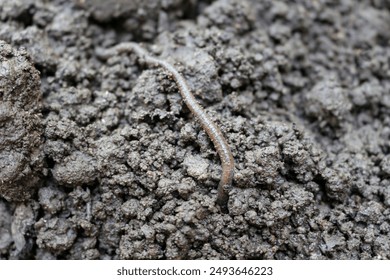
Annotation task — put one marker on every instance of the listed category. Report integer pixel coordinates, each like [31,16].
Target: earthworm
[207,124]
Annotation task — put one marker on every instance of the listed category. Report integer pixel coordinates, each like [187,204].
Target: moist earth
[101,159]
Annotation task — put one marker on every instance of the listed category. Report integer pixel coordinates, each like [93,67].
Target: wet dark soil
[101,159]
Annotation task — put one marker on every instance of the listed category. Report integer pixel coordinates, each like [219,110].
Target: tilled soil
[101,159]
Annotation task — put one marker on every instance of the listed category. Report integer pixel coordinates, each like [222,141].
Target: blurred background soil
[100,158]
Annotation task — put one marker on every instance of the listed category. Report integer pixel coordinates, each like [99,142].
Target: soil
[101,159]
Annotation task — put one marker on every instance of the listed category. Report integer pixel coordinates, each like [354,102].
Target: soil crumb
[101,159]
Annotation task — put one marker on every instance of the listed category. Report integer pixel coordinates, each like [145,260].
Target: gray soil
[101,159]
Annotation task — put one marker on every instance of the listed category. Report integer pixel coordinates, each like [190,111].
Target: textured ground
[100,158]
